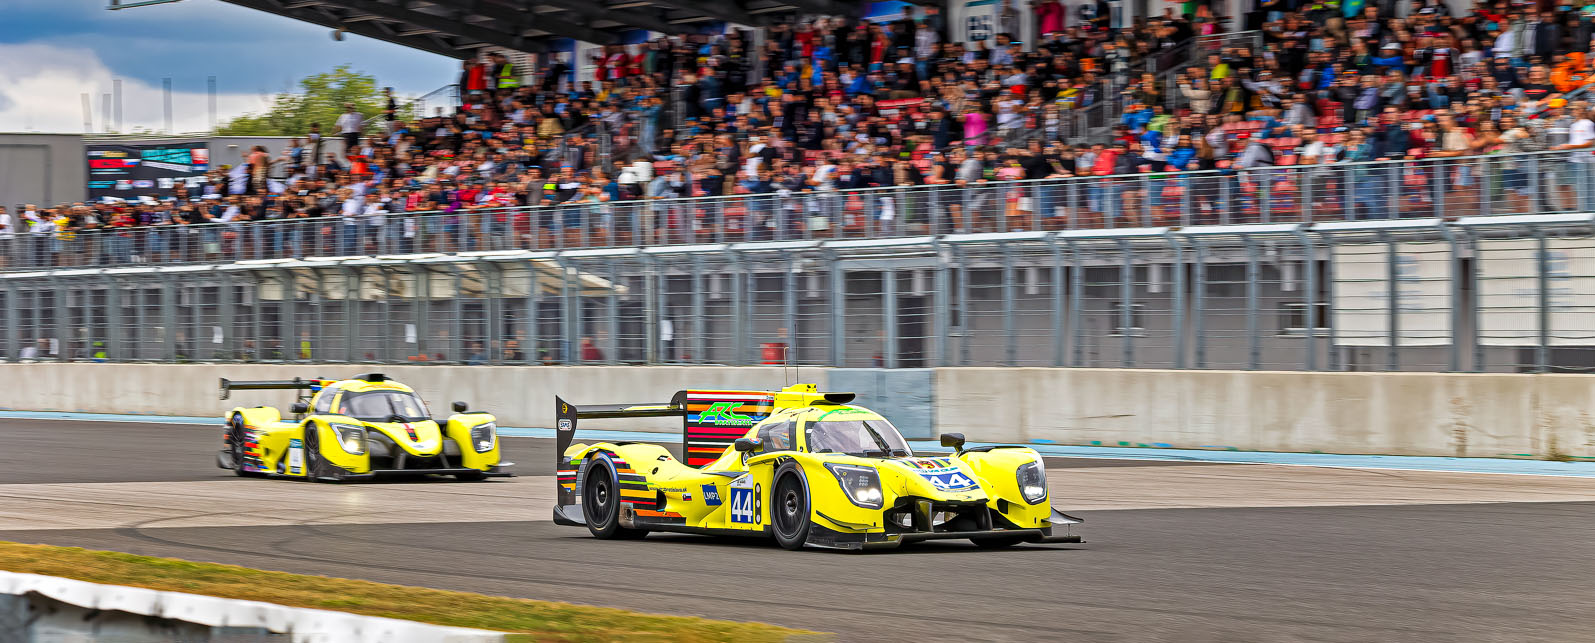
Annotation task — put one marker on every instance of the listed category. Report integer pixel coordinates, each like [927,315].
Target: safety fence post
[838,311]
[1392,302]
[1127,303]
[1199,304]
[1179,299]
[1058,294]
[1542,349]
[1010,344]
[941,307]
[889,315]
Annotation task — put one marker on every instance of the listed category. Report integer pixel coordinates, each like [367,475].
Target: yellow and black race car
[803,467]
[356,429]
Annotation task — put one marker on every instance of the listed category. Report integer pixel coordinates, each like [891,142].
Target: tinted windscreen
[380,406]
[855,437]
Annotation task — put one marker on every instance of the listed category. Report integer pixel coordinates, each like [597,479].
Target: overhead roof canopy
[459,28]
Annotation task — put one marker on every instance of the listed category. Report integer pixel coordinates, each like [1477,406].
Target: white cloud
[42,85]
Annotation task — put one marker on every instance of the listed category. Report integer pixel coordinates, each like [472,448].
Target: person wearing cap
[1389,57]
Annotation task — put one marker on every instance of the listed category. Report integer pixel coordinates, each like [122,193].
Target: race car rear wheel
[235,436]
[601,503]
[789,508]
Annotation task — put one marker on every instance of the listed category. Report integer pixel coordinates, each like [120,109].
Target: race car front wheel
[601,503]
[789,508]
[312,447]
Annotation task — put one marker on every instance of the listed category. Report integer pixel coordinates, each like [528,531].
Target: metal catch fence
[1478,293]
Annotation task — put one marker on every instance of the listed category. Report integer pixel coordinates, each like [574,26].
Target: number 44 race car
[356,429]
[803,467]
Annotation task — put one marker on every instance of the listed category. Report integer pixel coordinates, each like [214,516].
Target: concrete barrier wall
[1435,414]
[521,396]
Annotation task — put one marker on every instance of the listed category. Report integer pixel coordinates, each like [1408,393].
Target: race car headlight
[483,436]
[1032,482]
[350,437]
[862,484]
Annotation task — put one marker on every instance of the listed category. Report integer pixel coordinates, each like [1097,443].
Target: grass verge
[531,620]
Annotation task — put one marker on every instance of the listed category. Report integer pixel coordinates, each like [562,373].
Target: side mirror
[954,440]
[459,407]
[299,408]
[746,445]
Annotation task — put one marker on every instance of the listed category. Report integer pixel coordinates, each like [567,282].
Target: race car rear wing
[710,420]
[228,386]
[312,385]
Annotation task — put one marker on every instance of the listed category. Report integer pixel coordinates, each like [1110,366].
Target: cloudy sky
[54,51]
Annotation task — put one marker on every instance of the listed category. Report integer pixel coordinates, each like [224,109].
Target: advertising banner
[1509,289]
[149,169]
[1363,286]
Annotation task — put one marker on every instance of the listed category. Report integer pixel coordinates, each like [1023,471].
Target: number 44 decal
[745,505]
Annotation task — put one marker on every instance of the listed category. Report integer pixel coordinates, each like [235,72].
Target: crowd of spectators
[824,105]
[827,108]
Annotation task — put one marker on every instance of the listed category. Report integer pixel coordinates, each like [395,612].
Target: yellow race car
[355,429]
[802,467]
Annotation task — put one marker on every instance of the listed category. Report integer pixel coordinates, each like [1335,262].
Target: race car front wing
[914,521]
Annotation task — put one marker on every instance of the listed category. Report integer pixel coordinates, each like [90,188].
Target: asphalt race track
[1174,551]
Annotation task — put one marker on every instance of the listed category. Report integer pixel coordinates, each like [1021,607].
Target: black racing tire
[601,503]
[235,436]
[471,476]
[789,508]
[997,542]
[312,446]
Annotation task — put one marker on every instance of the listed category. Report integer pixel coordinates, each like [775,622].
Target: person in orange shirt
[1572,73]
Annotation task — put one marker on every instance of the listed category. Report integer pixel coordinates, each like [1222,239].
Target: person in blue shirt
[1390,56]
[1183,153]
[1136,117]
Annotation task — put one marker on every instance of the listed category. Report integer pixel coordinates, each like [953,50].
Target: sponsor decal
[950,479]
[724,414]
[564,425]
[686,496]
[929,463]
[409,429]
[171,167]
[711,495]
[296,457]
